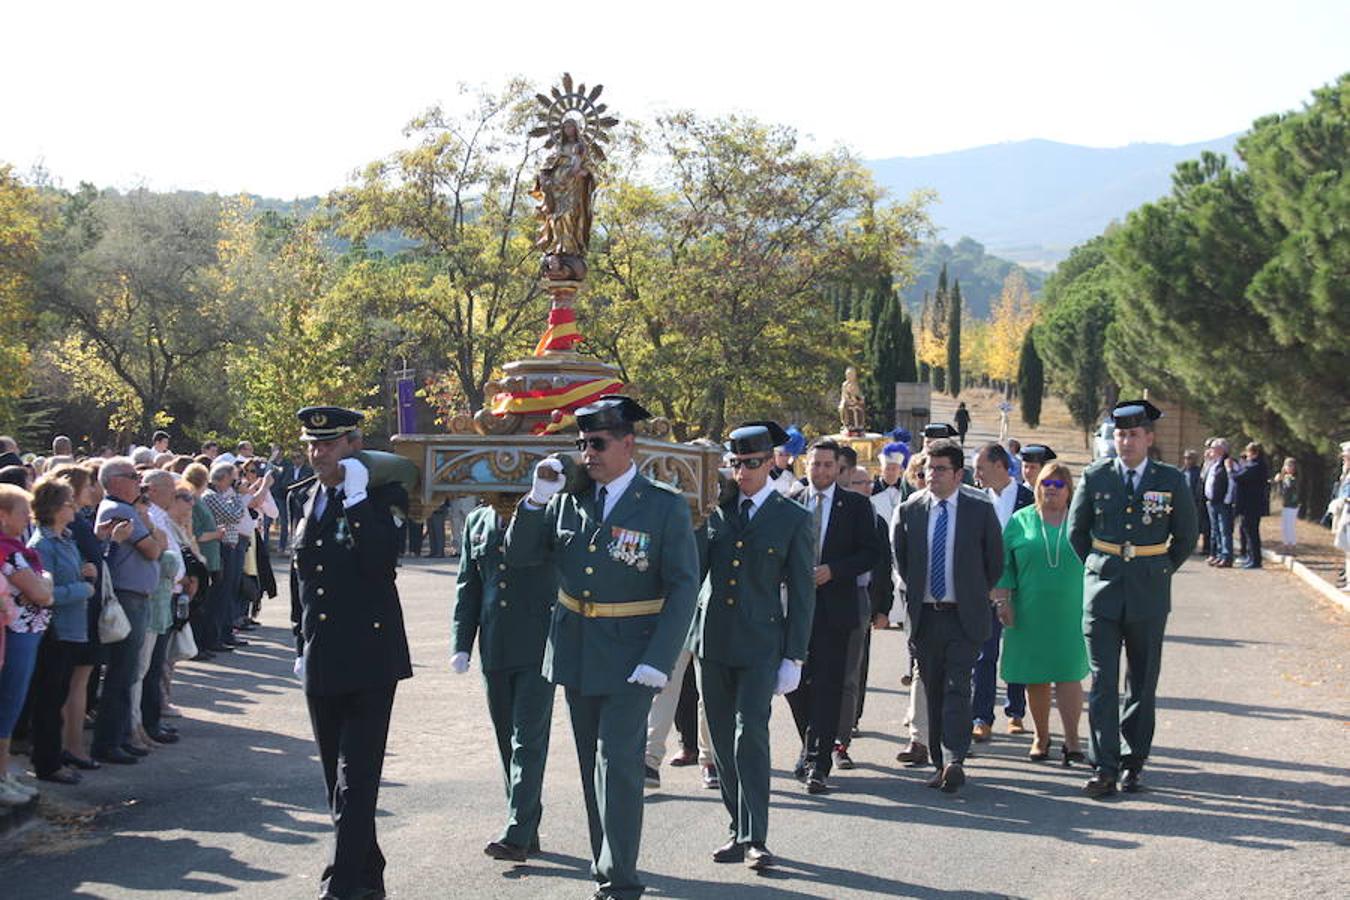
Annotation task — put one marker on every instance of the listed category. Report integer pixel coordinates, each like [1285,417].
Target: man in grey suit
[949,551]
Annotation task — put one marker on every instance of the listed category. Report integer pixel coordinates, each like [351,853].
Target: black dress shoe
[953,776]
[78,762]
[799,772]
[506,852]
[1131,783]
[203,656]
[164,737]
[815,783]
[62,776]
[730,852]
[134,751]
[117,756]
[1100,787]
[758,857]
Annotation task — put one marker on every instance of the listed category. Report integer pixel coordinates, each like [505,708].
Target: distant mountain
[1033,201]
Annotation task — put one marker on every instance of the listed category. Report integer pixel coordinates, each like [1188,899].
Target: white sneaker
[14,784]
[11,797]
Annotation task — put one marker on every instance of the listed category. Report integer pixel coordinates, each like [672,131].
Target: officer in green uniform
[508,608]
[749,645]
[349,639]
[1133,524]
[629,572]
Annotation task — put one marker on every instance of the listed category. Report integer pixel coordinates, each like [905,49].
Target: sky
[287,98]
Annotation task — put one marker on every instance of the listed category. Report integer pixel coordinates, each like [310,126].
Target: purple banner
[407,414]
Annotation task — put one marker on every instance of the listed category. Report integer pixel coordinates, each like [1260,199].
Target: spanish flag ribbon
[562,331]
[565,398]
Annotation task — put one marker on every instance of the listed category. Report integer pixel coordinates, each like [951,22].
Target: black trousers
[47,694]
[946,657]
[815,704]
[351,730]
[1251,537]
[686,711]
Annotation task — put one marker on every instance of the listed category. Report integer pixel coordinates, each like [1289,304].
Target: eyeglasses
[598,444]
[753,462]
[1054,483]
[185,497]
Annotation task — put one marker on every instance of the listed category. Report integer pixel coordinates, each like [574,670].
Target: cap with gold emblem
[609,411]
[324,423]
[1037,453]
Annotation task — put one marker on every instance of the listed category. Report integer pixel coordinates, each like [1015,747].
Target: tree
[729,273]
[954,341]
[1079,307]
[469,297]
[1030,380]
[23,217]
[891,360]
[134,282]
[1010,321]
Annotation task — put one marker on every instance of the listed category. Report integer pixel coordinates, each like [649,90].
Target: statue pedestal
[867,445]
[539,385]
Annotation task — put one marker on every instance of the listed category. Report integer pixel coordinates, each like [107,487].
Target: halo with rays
[575,103]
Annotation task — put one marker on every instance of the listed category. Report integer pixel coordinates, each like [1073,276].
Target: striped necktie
[818,519]
[937,578]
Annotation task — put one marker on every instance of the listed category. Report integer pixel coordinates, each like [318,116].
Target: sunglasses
[1054,483]
[753,462]
[598,444]
[186,497]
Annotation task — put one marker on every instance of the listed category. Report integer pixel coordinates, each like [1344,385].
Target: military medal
[629,547]
[1146,519]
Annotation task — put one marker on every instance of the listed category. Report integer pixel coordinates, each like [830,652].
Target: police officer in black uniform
[352,650]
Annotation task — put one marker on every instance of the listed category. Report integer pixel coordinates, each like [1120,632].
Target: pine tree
[954,341]
[1031,380]
[886,363]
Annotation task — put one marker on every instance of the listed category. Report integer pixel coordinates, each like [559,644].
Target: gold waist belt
[593,610]
[1128,551]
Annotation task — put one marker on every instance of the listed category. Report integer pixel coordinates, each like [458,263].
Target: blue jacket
[70,592]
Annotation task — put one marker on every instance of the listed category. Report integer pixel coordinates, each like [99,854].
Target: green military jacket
[645,550]
[507,607]
[1160,511]
[741,619]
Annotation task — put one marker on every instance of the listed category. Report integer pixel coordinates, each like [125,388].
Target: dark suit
[285,476]
[1195,480]
[851,547]
[348,627]
[946,641]
[986,666]
[1253,502]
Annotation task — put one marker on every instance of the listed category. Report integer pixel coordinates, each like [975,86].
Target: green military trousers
[520,701]
[738,700]
[1108,726]
[611,736]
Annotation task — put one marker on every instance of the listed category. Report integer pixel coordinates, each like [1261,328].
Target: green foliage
[1078,309]
[1030,380]
[23,217]
[981,275]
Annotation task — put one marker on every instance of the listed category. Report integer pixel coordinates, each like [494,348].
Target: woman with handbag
[31,591]
[72,586]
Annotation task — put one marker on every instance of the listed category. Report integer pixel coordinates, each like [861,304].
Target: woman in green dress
[1040,602]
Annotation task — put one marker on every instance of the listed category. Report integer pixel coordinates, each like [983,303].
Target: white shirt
[614,490]
[947,569]
[885,502]
[756,500]
[1004,503]
[826,499]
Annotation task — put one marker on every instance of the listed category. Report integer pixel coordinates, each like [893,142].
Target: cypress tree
[954,341]
[1031,380]
[908,369]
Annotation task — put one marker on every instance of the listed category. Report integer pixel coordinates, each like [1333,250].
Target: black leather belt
[944,607]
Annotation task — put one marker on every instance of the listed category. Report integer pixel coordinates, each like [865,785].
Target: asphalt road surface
[1247,786]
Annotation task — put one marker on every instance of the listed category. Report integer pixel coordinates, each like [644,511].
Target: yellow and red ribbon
[562,331]
[566,398]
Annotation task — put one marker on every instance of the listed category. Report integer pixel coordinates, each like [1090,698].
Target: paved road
[1249,787]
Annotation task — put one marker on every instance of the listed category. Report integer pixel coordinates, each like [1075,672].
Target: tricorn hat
[756,437]
[609,411]
[1134,413]
[937,430]
[1037,453]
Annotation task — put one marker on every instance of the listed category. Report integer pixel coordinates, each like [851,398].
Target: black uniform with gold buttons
[349,633]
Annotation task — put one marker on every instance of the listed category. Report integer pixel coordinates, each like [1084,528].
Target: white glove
[789,677]
[355,479]
[649,677]
[459,663]
[542,490]
[299,668]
